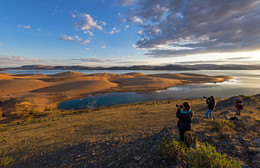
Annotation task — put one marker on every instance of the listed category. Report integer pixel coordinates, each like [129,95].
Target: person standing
[239,106]
[185,114]
[211,105]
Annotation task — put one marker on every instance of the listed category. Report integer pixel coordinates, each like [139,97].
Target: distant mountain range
[144,67]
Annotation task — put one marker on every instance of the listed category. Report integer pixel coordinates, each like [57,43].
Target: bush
[206,156]
[221,125]
[5,161]
[173,150]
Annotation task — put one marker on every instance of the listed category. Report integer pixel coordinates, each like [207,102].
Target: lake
[244,82]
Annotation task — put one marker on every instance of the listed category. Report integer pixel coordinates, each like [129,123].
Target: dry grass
[58,130]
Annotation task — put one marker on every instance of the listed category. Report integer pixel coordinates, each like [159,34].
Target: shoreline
[40,91]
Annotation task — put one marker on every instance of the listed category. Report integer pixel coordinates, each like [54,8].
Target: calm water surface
[246,82]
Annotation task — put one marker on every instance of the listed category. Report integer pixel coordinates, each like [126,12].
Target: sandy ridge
[52,89]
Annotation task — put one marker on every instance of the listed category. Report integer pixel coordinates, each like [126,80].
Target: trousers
[209,114]
[184,137]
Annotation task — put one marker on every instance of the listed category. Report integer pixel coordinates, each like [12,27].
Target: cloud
[103,46]
[1,44]
[135,19]
[239,58]
[126,26]
[103,23]
[24,26]
[86,22]
[76,39]
[89,32]
[85,42]
[6,61]
[178,28]
[122,18]
[113,31]
[93,60]
[66,38]
[126,2]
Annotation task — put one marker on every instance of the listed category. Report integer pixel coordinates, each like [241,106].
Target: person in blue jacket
[185,114]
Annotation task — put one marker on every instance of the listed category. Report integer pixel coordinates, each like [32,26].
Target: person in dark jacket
[211,105]
[184,123]
[239,106]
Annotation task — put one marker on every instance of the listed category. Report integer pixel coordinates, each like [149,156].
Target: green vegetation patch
[173,150]
[247,97]
[5,161]
[221,125]
[203,156]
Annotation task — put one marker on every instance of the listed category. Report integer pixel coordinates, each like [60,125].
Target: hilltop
[127,135]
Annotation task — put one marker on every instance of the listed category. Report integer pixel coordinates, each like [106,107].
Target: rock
[137,158]
[224,113]
[111,164]
[142,162]
[195,121]
[257,160]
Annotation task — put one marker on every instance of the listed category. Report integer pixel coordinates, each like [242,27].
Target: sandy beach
[41,91]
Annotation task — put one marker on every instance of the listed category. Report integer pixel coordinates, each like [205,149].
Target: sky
[129,32]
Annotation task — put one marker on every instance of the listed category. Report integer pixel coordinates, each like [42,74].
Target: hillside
[126,135]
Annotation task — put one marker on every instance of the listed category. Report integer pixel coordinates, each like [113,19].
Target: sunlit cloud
[187,27]
[24,26]
[113,31]
[86,22]
[6,61]
[126,2]
[76,39]
[93,60]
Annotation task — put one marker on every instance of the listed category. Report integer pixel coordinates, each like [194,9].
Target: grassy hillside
[125,135]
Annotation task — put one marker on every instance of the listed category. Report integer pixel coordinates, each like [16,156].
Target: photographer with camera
[211,105]
[185,114]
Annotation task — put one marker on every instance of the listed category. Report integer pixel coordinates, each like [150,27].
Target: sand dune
[67,74]
[147,82]
[49,90]
[10,86]
[84,86]
[193,78]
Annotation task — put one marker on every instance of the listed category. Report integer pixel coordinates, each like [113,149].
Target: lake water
[245,82]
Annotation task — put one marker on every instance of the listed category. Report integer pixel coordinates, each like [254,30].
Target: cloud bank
[175,28]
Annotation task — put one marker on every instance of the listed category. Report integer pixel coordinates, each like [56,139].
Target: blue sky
[128,32]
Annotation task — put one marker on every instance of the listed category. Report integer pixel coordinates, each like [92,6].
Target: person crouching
[185,114]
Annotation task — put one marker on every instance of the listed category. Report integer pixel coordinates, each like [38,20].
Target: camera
[181,106]
[204,97]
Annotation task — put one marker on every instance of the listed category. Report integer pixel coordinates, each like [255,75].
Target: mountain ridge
[144,67]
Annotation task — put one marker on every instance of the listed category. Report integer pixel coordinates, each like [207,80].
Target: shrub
[203,156]
[247,97]
[206,156]
[221,125]
[172,149]
[5,161]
